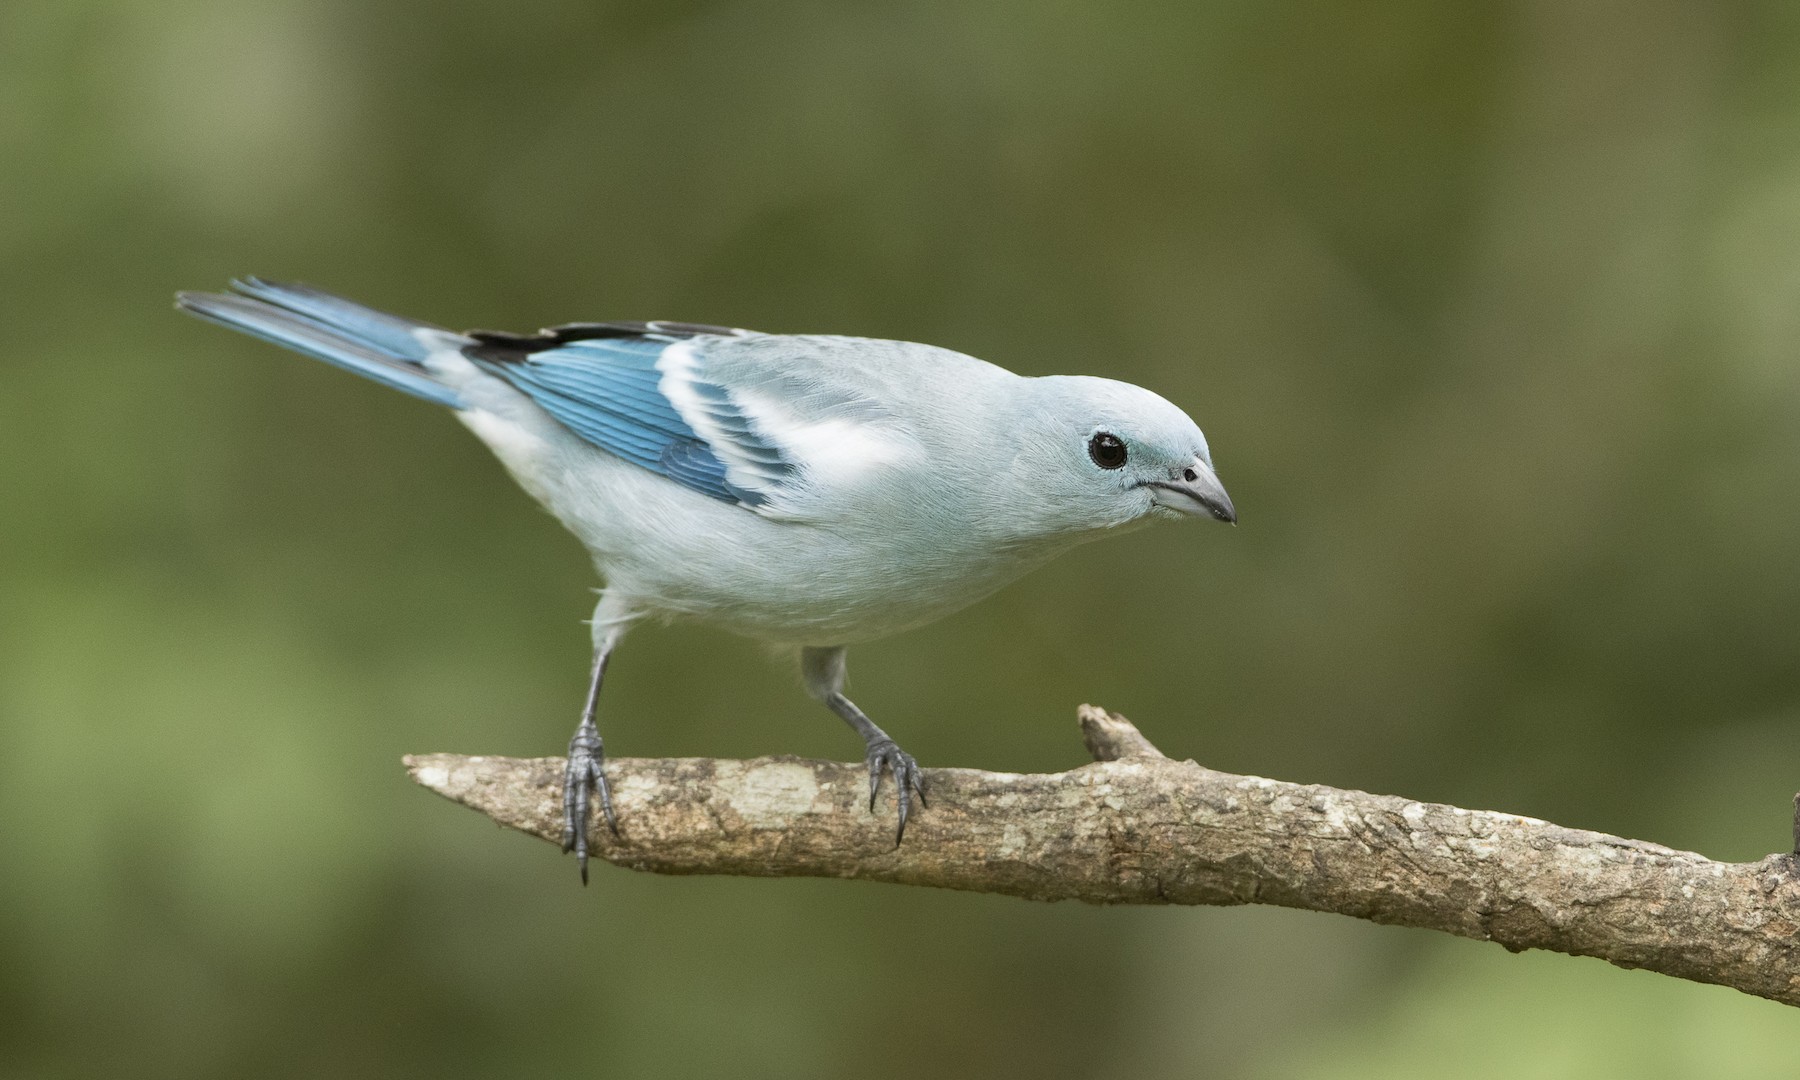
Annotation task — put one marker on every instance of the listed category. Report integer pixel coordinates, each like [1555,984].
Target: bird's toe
[584,779]
[885,756]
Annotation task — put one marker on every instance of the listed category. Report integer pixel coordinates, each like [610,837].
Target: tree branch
[1138,828]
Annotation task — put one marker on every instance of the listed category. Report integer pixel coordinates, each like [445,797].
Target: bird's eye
[1107,450]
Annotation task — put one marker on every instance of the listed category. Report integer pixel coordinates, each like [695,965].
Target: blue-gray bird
[811,491]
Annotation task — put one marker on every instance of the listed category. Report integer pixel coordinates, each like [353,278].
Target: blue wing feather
[608,391]
[691,463]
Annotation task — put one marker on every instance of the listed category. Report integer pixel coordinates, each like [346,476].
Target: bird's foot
[583,778]
[886,756]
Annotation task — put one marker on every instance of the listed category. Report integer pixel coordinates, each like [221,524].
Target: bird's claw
[583,778]
[886,756]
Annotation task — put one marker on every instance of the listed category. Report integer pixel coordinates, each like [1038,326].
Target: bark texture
[1135,827]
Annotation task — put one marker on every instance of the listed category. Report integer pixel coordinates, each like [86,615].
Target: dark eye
[1107,450]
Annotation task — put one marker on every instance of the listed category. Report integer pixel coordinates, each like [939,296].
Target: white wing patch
[782,438]
[830,451]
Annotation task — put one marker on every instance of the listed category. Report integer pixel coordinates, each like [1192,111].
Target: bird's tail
[375,345]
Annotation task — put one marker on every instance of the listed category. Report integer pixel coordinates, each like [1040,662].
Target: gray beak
[1195,490]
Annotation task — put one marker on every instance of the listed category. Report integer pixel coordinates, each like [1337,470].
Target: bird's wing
[770,422]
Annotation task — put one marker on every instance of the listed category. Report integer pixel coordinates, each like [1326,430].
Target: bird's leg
[584,776]
[823,669]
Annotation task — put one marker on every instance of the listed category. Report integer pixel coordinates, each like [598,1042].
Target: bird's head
[1107,453]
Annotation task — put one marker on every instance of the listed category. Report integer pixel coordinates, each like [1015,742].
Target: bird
[810,491]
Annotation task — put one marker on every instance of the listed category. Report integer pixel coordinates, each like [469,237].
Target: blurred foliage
[1490,311]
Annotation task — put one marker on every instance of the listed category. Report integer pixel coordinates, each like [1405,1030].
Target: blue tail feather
[373,344]
[385,333]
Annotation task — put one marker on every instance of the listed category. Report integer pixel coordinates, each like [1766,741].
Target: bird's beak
[1195,490]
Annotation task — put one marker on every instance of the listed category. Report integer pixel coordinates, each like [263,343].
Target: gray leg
[823,669]
[584,776]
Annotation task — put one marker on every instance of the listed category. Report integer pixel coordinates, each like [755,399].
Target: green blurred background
[1491,312]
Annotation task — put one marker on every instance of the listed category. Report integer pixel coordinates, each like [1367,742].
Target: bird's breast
[810,585]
